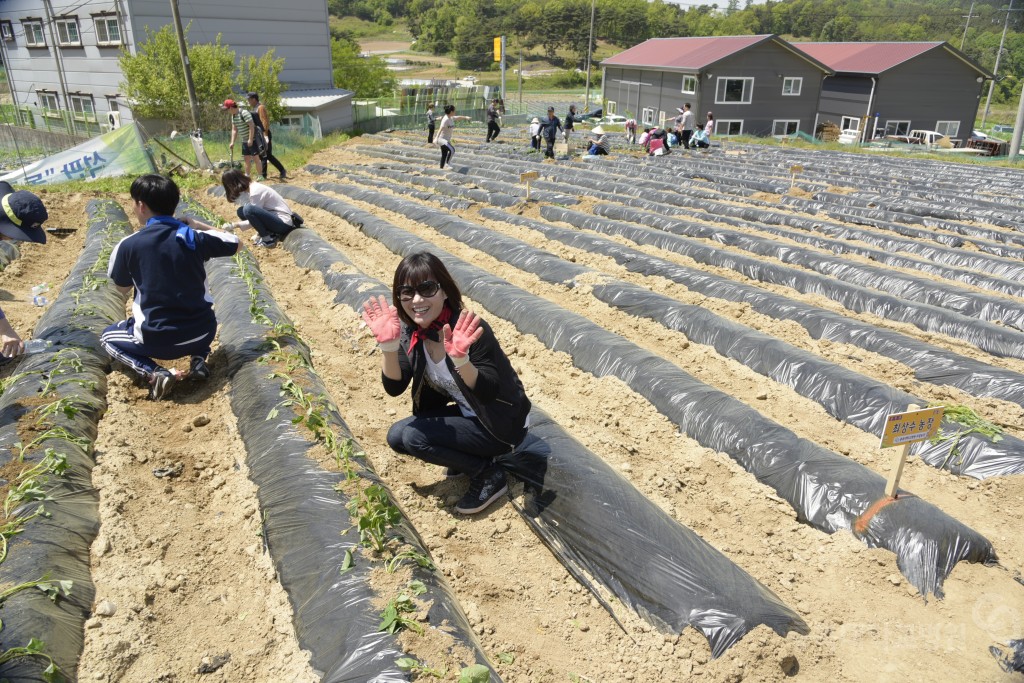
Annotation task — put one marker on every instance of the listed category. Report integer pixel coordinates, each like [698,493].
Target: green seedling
[421,560]
[348,563]
[477,673]
[972,423]
[506,658]
[416,667]
[393,619]
[54,590]
[51,674]
[375,516]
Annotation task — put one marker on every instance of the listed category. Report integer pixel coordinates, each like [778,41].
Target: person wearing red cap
[21,217]
[242,123]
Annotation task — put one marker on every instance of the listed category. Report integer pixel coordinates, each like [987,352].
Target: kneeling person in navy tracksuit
[172,312]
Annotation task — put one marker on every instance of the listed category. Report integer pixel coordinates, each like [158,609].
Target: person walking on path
[22,215]
[468,404]
[535,134]
[686,125]
[571,119]
[242,124]
[493,114]
[444,135]
[431,121]
[262,121]
[172,312]
[264,209]
[549,129]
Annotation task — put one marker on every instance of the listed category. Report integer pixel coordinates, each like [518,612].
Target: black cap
[253,94]
[21,215]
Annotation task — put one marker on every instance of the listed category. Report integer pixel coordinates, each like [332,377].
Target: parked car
[613,119]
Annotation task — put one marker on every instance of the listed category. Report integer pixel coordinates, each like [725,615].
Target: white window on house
[112,103]
[948,128]
[734,91]
[108,31]
[897,127]
[726,127]
[785,126]
[647,116]
[34,33]
[48,102]
[6,30]
[291,121]
[850,123]
[661,119]
[82,107]
[67,31]
[609,107]
[792,85]
[689,85]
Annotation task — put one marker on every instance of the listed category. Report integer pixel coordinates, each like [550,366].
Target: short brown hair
[418,267]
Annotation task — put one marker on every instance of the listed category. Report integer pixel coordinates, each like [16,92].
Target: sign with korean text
[119,152]
[915,425]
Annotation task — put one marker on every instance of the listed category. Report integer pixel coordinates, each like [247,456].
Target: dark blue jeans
[444,437]
[266,223]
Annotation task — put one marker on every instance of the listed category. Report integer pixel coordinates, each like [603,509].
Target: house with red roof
[756,85]
[893,88]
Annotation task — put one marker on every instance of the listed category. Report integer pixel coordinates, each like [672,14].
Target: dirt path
[182,561]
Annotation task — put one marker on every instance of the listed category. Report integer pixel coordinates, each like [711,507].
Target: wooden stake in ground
[526,178]
[904,429]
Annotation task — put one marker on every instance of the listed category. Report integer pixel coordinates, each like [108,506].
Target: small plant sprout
[393,619]
[421,560]
[477,673]
[375,516]
[415,666]
[348,563]
[51,674]
[972,423]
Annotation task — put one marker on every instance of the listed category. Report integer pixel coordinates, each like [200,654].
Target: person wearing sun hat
[535,134]
[599,142]
[22,215]
[243,124]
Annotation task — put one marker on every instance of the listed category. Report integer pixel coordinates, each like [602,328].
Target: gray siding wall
[844,96]
[768,64]
[934,87]
[297,30]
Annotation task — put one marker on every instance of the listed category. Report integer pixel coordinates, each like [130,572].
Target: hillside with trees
[559,29]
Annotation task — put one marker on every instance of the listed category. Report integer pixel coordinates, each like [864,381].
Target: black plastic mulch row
[308,525]
[58,543]
[846,395]
[827,490]
[592,519]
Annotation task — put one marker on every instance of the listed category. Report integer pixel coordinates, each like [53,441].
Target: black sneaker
[452,473]
[267,242]
[199,370]
[160,384]
[484,489]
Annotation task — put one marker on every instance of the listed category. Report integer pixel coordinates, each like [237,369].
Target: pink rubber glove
[382,319]
[457,341]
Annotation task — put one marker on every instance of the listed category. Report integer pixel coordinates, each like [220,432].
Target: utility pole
[995,70]
[970,13]
[520,79]
[189,85]
[590,51]
[503,92]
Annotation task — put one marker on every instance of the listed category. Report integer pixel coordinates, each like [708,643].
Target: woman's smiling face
[423,309]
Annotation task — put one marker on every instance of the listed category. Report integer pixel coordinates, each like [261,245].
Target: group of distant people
[253,127]
[657,141]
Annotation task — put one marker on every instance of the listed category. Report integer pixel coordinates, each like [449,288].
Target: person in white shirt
[686,125]
[535,134]
[444,135]
[263,207]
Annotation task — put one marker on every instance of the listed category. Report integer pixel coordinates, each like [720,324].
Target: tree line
[560,29]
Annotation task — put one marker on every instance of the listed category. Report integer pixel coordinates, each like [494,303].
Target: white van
[931,138]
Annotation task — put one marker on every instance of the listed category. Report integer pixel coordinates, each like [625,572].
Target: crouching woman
[468,404]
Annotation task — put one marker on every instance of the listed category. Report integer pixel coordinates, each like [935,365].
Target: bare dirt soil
[182,561]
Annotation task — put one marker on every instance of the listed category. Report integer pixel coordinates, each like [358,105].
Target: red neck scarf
[431,332]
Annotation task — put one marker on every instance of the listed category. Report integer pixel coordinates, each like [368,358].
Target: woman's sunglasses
[425,289]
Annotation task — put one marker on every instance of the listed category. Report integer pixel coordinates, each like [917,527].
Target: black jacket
[549,128]
[498,399]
